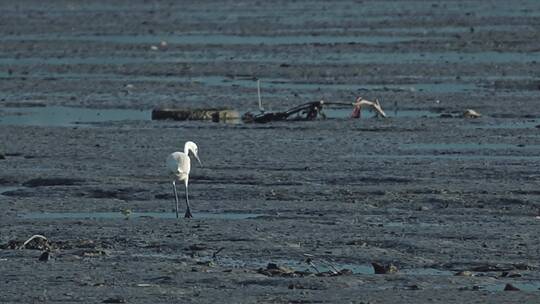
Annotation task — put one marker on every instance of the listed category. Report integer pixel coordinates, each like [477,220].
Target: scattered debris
[160,280]
[214,255]
[306,111]
[206,263]
[384,269]
[309,260]
[197,247]
[489,267]
[273,270]
[40,243]
[144,285]
[126,212]
[213,114]
[310,111]
[470,113]
[115,300]
[510,274]
[90,252]
[357,110]
[413,287]
[296,286]
[510,287]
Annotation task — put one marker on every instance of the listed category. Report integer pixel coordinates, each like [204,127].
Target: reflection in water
[66,116]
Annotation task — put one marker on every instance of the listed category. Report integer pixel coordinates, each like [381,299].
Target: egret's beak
[197,157]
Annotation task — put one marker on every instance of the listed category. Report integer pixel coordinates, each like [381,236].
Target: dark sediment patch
[53,181]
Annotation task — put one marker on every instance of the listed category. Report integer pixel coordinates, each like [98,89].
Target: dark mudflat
[427,191]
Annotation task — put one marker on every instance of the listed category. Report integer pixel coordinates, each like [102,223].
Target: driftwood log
[213,114]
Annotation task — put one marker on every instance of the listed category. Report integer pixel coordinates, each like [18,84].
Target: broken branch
[31,238]
[374,104]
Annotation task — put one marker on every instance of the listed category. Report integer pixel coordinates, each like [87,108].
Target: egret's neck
[186,150]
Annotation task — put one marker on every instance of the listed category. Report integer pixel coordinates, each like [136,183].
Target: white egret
[179,164]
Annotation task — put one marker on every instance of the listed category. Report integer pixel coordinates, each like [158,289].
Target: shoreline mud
[451,202]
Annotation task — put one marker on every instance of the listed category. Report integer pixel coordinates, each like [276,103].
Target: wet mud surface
[286,212]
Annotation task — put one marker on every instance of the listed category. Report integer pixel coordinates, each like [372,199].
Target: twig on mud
[214,255]
[309,261]
[33,237]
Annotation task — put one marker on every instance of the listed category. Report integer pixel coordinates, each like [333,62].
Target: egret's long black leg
[175,197]
[188,211]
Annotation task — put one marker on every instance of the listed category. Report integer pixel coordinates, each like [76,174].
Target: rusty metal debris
[379,268]
[311,111]
[470,113]
[274,270]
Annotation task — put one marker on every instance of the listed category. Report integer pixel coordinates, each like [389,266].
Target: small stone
[197,247]
[470,113]
[206,263]
[510,287]
[272,269]
[345,271]
[464,273]
[45,256]
[384,269]
[115,300]
[296,286]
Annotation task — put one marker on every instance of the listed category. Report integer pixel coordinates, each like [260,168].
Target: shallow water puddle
[66,116]
[524,286]
[8,189]
[120,215]
[298,265]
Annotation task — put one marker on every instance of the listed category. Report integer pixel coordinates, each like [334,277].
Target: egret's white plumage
[179,165]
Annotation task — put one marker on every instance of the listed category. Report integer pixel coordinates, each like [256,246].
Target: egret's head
[192,147]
